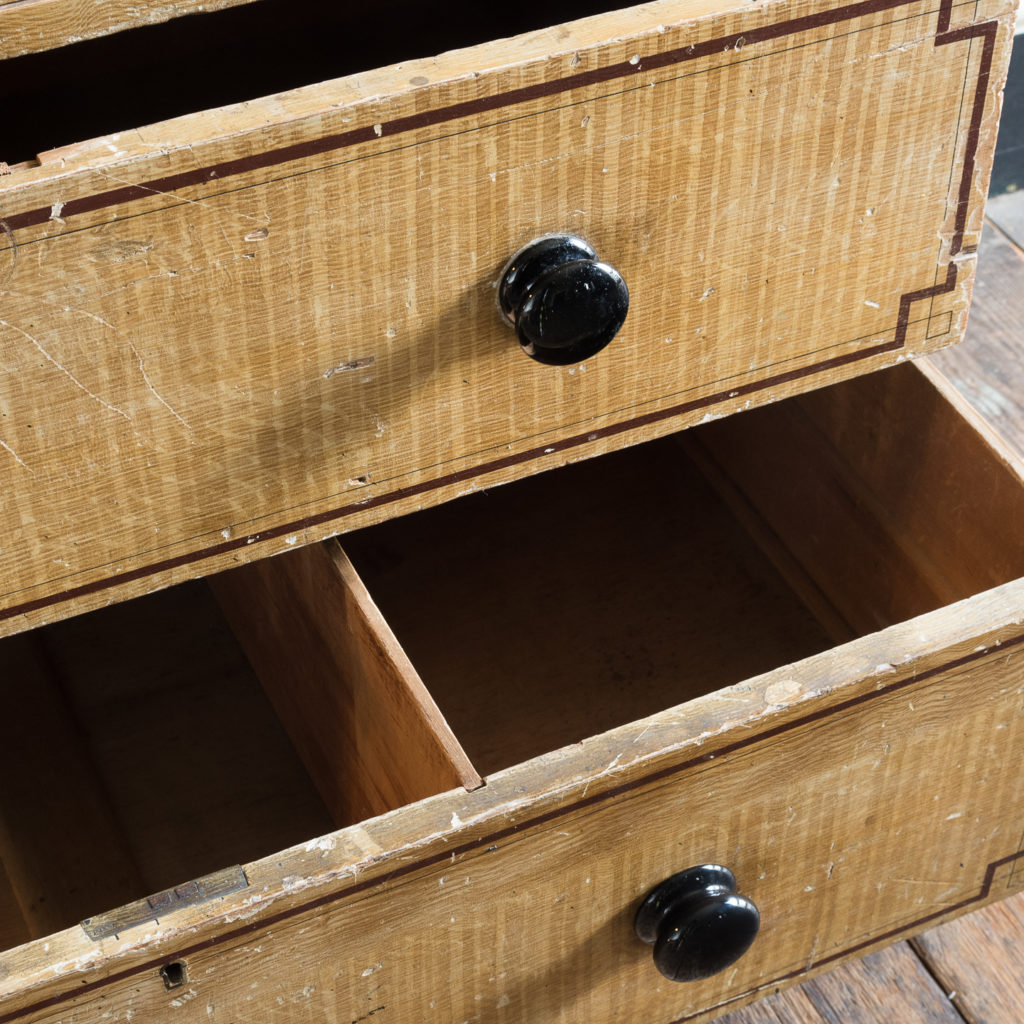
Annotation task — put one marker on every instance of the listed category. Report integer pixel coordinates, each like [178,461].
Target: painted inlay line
[985,31]
[664,775]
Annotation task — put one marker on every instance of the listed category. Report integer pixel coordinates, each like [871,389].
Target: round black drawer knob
[564,303]
[697,923]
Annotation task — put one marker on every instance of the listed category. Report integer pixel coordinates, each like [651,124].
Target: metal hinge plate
[152,908]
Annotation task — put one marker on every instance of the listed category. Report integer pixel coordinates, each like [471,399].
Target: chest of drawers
[783,641]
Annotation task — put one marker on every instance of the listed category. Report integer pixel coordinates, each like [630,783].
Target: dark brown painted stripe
[660,775]
[470,473]
[985,30]
[468,108]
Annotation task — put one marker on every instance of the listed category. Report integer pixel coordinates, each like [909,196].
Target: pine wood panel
[553,615]
[197,768]
[277,322]
[879,501]
[366,727]
[139,753]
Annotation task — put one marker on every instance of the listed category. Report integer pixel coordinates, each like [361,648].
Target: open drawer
[787,642]
[273,316]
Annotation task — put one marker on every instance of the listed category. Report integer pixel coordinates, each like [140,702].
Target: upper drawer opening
[562,606]
[200,61]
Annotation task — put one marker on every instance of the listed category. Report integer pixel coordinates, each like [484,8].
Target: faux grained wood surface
[974,958]
[516,892]
[267,324]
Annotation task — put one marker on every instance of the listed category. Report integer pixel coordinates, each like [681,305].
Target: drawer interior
[546,611]
[126,79]
[567,604]
[407,658]
[138,751]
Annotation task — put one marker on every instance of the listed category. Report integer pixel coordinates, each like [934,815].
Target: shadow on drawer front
[535,615]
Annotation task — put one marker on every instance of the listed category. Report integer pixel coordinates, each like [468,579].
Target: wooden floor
[971,969]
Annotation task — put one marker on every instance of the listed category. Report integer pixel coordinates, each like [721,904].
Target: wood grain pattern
[902,991]
[1007,213]
[973,957]
[986,367]
[890,985]
[367,729]
[516,891]
[260,330]
[976,957]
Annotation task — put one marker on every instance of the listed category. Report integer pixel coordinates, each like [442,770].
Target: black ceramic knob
[697,923]
[564,303]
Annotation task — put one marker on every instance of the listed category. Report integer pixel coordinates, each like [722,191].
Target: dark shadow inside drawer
[561,606]
[208,59]
[138,751]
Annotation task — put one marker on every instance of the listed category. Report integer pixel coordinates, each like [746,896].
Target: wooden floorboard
[892,985]
[977,960]
[967,970]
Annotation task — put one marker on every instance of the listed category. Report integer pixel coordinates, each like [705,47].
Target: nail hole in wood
[175,974]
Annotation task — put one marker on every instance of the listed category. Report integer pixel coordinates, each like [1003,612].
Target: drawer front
[855,801]
[241,331]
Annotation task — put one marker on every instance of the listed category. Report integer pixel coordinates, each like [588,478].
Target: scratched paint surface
[185,374]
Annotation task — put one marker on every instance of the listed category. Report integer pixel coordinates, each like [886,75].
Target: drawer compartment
[139,752]
[786,641]
[543,613]
[272,322]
